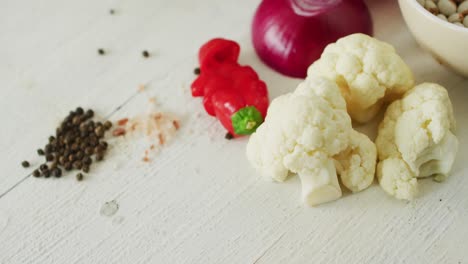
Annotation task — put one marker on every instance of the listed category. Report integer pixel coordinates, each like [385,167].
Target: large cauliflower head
[368,72]
[416,139]
[309,132]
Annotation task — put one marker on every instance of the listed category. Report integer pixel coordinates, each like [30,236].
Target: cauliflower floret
[397,179]
[357,162]
[308,132]
[368,72]
[416,139]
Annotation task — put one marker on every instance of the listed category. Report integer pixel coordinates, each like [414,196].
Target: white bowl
[447,42]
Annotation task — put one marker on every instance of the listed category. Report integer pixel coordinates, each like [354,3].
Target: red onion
[289,35]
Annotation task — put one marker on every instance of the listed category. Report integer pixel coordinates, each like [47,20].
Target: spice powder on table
[158,127]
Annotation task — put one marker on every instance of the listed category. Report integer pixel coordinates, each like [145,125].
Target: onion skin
[289,39]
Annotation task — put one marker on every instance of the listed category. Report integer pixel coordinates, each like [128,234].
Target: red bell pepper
[217,51]
[233,93]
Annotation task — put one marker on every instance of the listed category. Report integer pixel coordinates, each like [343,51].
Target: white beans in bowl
[447,42]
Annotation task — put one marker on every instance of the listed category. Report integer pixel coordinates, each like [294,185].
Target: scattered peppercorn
[99,131]
[99,156]
[229,136]
[79,110]
[85,168]
[68,166]
[40,152]
[87,160]
[43,167]
[49,157]
[101,52]
[25,164]
[46,173]
[107,125]
[103,145]
[197,71]
[57,172]
[79,176]
[79,155]
[145,54]
[36,173]
[77,165]
[89,151]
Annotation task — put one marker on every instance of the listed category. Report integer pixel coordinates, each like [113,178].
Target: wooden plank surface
[198,201]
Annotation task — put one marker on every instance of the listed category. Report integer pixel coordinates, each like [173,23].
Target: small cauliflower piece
[369,72]
[357,162]
[309,133]
[416,139]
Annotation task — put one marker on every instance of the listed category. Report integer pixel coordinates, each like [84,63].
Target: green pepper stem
[246,120]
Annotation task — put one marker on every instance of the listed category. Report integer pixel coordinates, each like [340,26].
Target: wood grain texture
[198,201]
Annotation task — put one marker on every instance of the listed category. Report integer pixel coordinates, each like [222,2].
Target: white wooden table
[198,201]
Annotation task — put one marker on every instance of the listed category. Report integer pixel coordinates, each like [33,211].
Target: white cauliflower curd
[369,72]
[308,132]
[416,139]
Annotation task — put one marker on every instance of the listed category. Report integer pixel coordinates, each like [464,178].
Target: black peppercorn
[107,125]
[79,155]
[68,166]
[46,173]
[229,136]
[40,152]
[99,156]
[99,131]
[103,145]
[77,165]
[79,176]
[197,71]
[89,114]
[48,148]
[43,167]
[62,160]
[57,172]
[83,145]
[85,168]
[76,120]
[98,150]
[75,147]
[101,52]
[145,54]
[89,151]
[25,164]
[36,173]
[83,127]
[87,160]
[49,157]
[79,110]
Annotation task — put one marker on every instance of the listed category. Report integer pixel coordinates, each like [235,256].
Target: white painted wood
[198,201]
